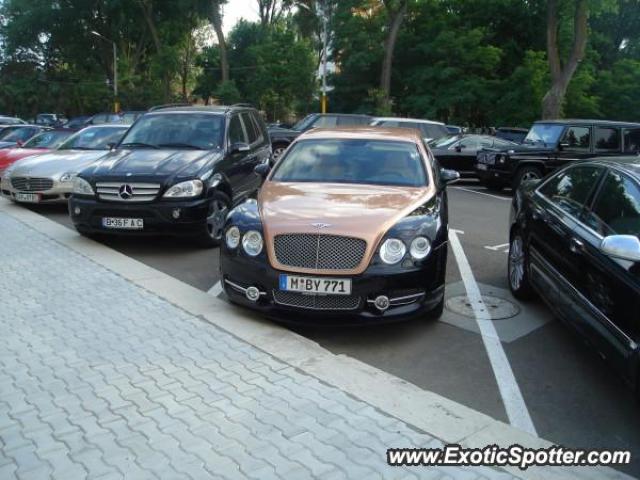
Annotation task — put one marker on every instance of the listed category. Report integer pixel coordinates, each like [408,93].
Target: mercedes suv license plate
[27,197]
[325,286]
[123,223]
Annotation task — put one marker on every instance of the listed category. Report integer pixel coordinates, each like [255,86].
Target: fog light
[175,213]
[252,294]
[381,302]
[76,211]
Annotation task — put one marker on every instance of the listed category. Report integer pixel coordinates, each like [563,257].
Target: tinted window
[97,138]
[544,134]
[236,133]
[324,121]
[47,139]
[177,130]
[607,139]
[250,127]
[617,208]
[376,162]
[577,138]
[631,140]
[570,189]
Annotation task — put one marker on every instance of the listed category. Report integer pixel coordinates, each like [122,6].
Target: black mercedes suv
[551,144]
[177,171]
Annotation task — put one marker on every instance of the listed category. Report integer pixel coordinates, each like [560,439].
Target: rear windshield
[374,162]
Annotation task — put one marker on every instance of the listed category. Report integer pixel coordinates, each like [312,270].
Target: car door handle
[575,245]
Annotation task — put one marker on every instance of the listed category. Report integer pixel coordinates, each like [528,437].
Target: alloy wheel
[216,219]
[516,262]
[277,152]
[530,175]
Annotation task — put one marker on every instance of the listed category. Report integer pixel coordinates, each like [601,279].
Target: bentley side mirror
[262,170]
[239,147]
[625,247]
[448,177]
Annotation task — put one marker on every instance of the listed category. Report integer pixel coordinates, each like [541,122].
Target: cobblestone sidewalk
[102,379]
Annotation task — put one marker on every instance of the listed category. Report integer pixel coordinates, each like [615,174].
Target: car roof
[628,163]
[363,132]
[514,129]
[582,121]
[404,119]
[214,109]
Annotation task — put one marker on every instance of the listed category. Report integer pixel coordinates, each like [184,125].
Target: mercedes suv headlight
[188,189]
[392,251]
[67,177]
[232,237]
[252,243]
[82,187]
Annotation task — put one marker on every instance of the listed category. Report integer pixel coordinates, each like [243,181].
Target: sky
[234,10]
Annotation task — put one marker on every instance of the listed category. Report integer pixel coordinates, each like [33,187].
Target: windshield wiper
[138,144]
[179,145]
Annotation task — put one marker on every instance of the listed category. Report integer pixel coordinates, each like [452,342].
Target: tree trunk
[396,17]
[561,75]
[216,21]
[147,9]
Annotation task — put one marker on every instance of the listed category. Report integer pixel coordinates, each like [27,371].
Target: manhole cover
[498,308]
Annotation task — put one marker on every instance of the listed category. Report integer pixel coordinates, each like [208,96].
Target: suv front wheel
[526,173]
[212,233]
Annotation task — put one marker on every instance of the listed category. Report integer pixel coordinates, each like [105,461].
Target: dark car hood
[159,165]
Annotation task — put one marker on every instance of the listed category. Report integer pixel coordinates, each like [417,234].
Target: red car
[41,143]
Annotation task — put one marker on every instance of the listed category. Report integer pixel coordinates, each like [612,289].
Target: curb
[436,415]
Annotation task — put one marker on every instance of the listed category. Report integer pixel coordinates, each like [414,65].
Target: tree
[396,10]
[561,74]
[270,11]
[216,22]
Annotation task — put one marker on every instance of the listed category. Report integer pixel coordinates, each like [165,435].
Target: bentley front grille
[127,192]
[321,252]
[31,184]
[316,302]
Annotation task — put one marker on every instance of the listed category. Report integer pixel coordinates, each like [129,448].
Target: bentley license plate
[325,286]
[27,197]
[123,223]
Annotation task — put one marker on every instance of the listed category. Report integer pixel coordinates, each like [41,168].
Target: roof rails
[169,105]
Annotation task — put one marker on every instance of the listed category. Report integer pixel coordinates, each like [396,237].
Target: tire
[212,230]
[526,173]
[518,268]
[277,149]
[436,312]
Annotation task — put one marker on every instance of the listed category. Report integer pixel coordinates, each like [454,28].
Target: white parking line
[216,289]
[509,391]
[482,193]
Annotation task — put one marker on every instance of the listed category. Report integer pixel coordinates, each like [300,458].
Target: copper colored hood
[361,211]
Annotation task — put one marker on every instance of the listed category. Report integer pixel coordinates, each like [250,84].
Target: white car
[429,129]
[48,178]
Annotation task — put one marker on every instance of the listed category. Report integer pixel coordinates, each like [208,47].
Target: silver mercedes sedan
[48,178]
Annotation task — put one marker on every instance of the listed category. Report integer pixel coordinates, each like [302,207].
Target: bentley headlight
[190,188]
[420,248]
[82,187]
[232,237]
[252,243]
[67,177]
[392,251]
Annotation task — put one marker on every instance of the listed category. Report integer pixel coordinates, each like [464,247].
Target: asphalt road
[572,396]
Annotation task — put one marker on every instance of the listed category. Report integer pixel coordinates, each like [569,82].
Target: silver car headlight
[420,248]
[232,237]
[82,187]
[252,243]
[190,188]
[67,177]
[392,251]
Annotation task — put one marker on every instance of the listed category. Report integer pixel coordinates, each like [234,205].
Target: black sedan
[459,152]
[574,241]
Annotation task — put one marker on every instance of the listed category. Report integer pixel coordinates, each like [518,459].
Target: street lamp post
[325,42]
[116,105]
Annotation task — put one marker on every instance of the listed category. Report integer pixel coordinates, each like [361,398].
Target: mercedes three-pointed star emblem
[125,192]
